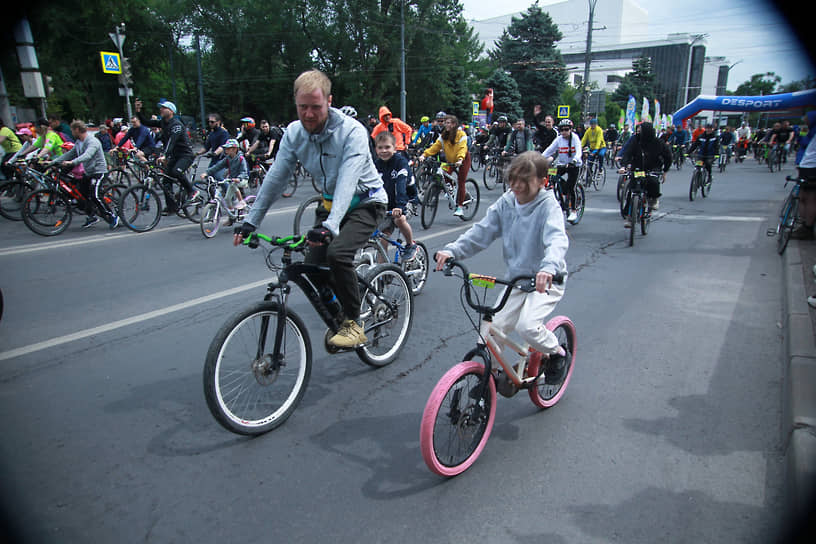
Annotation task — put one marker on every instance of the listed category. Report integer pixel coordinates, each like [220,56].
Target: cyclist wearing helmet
[593,137]
[334,147]
[422,138]
[499,133]
[709,146]
[232,172]
[350,111]
[177,154]
[567,152]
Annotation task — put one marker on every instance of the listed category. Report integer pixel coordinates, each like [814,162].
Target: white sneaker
[459,212]
[654,204]
[572,216]
[814,269]
[812,301]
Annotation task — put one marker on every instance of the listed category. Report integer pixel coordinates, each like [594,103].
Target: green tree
[759,84]
[640,82]
[506,95]
[527,49]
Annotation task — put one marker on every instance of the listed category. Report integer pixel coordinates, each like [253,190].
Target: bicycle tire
[140,208]
[192,209]
[489,175]
[256,374]
[303,222]
[634,215]
[118,176]
[369,256]
[601,182]
[546,395]
[621,187]
[694,185]
[580,203]
[472,198]
[451,414]
[475,161]
[210,219]
[12,195]
[706,181]
[112,195]
[379,320]
[46,212]
[787,220]
[429,206]
[417,268]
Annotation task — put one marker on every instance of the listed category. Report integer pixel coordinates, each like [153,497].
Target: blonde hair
[526,165]
[385,137]
[312,80]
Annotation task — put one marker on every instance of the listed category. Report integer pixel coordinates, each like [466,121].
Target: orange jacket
[399,128]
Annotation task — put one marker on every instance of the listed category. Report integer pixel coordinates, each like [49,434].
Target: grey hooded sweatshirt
[338,158]
[533,236]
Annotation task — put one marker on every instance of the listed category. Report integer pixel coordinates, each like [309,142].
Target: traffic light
[49,87]
[127,74]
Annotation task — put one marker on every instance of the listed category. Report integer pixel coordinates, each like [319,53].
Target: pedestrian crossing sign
[111,63]
[563,112]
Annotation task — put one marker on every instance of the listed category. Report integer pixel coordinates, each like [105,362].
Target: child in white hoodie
[530,223]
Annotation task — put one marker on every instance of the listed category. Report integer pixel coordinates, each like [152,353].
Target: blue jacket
[338,158]
[142,138]
[394,173]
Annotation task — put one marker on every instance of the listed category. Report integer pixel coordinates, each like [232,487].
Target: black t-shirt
[501,135]
[251,135]
[546,136]
[263,142]
[782,135]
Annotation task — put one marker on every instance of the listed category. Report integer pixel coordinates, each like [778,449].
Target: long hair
[450,135]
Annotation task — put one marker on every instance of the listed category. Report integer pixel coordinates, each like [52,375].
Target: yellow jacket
[454,152]
[594,137]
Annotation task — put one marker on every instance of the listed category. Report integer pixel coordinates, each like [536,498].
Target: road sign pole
[118,40]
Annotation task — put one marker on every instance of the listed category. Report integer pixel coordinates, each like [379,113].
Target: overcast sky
[747,31]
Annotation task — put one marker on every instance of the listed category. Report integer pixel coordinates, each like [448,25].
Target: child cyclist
[530,223]
[395,171]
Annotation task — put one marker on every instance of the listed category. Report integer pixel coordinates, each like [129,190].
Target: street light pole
[588,56]
[118,38]
[403,92]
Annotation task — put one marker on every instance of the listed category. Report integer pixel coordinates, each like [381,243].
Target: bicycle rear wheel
[46,212]
[787,219]
[248,391]
[429,206]
[545,395]
[580,203]
[305,215]
[387,312]
[705,184]
[455,427]
[472,198]
[210,219]
[291,188]
[12,194]
[140,208]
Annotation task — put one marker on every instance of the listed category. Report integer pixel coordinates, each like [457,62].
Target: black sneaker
[92,220]
[555,368]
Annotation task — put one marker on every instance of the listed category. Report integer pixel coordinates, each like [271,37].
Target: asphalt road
[670,429]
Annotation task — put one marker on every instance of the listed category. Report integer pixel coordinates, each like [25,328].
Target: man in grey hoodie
[334,148]
[88,151]
[530,223]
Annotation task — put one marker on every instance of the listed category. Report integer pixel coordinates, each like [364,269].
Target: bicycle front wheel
[210,219]
[621,187]
[369,256]
[472,198]
[305,215]
[600,179]
[545,395]
[580,203]
[429,206]
[695,183]
[455,426]
[140,208]
[46,212]
[417,268]
[249,389]
[387,312]
[787,219]
[489,175]
[290,188]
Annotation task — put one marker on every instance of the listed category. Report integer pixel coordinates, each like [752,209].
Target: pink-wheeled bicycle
[460,412]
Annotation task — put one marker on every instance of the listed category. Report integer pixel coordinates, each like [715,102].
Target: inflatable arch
[745,103]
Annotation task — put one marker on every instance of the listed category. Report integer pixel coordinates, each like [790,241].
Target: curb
[799,383]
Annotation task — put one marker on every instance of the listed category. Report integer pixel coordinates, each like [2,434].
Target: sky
[748,33]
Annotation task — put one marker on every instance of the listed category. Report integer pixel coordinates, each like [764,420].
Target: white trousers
[527,313]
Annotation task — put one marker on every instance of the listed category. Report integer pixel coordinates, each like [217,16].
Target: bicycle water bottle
[330,300]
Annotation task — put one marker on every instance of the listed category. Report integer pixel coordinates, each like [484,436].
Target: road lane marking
[673,215]
[79,335]
[31,248]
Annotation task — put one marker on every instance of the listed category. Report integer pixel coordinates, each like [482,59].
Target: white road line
[31,248]
[79,335]
[670,215]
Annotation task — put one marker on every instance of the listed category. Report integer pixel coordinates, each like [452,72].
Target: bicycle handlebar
[292,242]
[525,283]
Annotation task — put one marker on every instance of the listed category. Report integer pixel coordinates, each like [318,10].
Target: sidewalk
[799,398]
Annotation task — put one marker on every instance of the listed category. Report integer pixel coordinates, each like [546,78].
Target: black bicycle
[788,215]
[636,206]
[701,180]
[556,182]
[258,365]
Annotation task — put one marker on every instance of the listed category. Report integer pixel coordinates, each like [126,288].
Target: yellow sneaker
[350,335]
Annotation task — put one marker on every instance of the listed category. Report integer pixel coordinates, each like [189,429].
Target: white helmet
[350,111]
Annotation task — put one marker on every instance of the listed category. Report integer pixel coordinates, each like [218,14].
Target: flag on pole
[644,114]
[621,119]
[657,113]
[630,112]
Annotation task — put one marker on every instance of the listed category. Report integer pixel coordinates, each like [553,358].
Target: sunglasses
[212,122]
[565,129]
